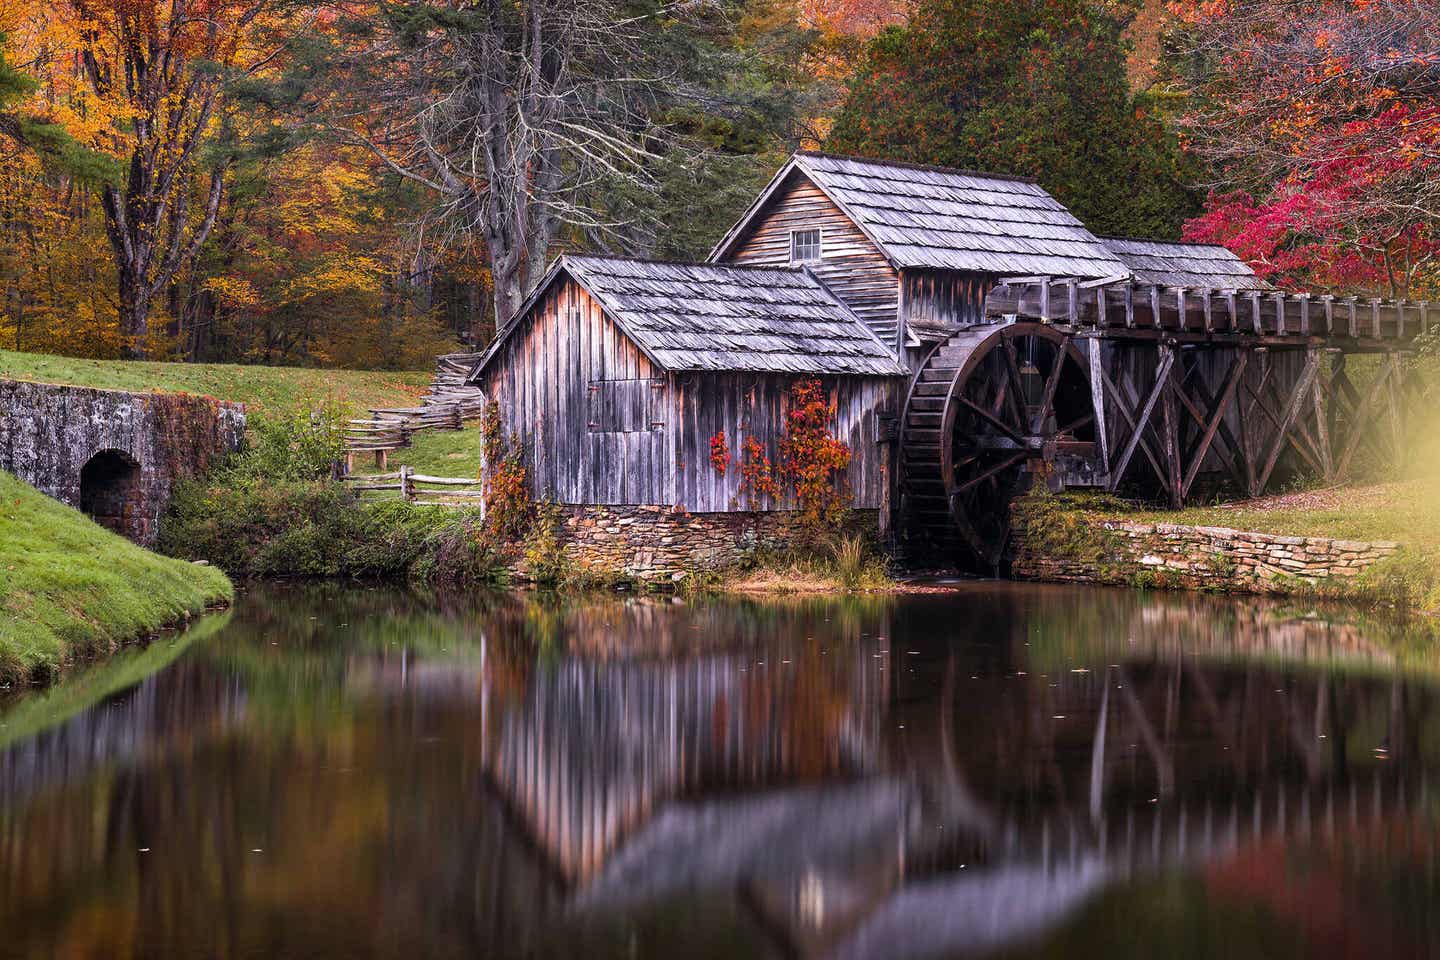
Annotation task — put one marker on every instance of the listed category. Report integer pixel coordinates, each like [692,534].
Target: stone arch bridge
[113,454]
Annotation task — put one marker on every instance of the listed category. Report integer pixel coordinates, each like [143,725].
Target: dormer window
[805,246]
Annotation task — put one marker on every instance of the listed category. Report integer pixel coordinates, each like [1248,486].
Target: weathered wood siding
[745,405]
[588,408]
[850,265]
[934,303]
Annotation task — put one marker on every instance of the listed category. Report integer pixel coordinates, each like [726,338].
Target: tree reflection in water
[1014,769]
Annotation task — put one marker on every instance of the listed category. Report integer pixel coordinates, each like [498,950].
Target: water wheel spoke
[993,420]
[1047,397]
[1017,383]
[992,473]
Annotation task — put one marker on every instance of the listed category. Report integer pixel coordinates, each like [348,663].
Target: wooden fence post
[407,486]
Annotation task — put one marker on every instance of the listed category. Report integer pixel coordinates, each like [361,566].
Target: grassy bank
[70,589]
[1404,511]
[266,391]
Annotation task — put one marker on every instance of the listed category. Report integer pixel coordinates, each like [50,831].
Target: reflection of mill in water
[962,817]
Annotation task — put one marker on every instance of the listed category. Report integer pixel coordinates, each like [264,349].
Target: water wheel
[991,410]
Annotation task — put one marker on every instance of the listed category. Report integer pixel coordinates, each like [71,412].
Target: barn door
[628,457]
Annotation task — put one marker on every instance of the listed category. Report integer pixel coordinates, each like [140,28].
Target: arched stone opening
[110,492]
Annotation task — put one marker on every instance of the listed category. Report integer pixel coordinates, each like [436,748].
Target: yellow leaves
[338,275]
[234,292]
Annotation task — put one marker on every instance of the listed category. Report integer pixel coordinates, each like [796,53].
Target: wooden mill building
[973,336]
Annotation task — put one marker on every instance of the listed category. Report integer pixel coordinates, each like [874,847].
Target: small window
[804,246]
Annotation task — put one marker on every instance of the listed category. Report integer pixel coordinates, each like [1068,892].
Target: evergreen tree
[1030,87]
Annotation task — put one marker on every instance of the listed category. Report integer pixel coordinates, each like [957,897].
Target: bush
[314,528]
[301,446]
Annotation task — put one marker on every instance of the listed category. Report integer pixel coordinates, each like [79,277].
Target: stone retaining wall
[1172,555]
[661,543]
[115,454]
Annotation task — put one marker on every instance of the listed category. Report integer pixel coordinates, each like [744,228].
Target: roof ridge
[708,264]
[1177,243]
[908,165]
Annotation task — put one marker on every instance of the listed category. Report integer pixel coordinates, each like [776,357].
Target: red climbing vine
[757,475]
[814,461]
[719,452]
[507,486]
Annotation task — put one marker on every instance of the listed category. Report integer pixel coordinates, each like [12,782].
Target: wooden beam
[1218,410]
[1162,380]
[1292,410]
[1097,402]
[1124,402]
[1357,426]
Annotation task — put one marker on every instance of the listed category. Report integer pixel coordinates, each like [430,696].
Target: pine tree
[1030,87]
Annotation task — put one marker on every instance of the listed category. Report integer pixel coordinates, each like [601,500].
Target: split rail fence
[447,405]
[405,484]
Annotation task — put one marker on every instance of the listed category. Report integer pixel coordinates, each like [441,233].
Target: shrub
[312,528]
[302,446]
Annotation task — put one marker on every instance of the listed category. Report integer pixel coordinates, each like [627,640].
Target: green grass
[266,391]
[437,453]
[1402,511]
[69,589]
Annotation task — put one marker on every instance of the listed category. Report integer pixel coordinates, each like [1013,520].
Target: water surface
[1016,771]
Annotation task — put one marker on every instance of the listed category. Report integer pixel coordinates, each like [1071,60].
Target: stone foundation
[113,454]
[1199,558]
[661,543]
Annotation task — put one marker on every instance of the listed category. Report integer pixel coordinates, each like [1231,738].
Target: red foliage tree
[1322,121]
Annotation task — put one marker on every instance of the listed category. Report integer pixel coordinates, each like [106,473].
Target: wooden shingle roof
[938,218]
[1170,264]
[723,317]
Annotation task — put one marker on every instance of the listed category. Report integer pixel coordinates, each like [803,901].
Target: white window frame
[819,244]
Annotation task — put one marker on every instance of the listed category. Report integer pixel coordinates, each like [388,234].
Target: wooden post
[1130,305]
[407,485]
[381,458]
[1170,425]
[1097,401]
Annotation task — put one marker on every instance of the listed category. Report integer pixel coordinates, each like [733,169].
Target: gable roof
[723,317]
[1171,264]
[940,218]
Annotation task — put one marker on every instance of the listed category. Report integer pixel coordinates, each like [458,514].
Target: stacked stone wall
[1193,557]
[661,543]
[49,432]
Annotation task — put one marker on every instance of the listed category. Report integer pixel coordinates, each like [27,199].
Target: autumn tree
[1322,121]
[1031,87]
[530,119]
[143,81]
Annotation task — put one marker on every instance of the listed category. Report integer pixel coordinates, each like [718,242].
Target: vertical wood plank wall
[745,405]
[850,265]
[935,300]
[542,380]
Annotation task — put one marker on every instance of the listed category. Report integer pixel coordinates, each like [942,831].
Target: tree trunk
[134,315]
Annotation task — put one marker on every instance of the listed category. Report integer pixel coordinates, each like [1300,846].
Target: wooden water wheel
[991,410]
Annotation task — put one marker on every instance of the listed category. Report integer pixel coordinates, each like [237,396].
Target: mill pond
[1004,770]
